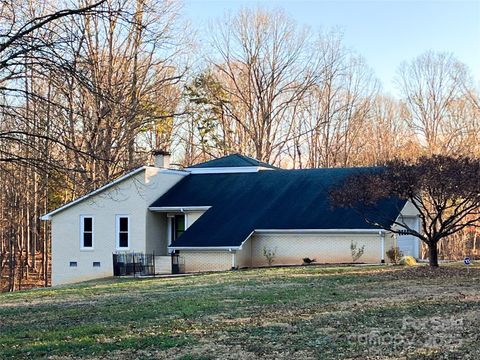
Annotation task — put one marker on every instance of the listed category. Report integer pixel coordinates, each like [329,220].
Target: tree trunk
[433,254]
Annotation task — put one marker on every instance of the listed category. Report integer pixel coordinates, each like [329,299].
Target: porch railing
[133,263]
[141,264]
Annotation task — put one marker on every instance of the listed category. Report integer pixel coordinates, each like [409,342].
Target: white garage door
[408,244]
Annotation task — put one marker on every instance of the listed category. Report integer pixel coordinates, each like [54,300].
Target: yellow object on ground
[408,261]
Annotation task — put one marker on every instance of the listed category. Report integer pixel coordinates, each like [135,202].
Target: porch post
[169,229]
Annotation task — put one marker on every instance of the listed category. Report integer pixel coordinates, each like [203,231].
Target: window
[73,264]
[178,227]
[86,232]
[96,264]
[123,232]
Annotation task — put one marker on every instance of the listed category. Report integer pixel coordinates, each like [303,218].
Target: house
[217,215]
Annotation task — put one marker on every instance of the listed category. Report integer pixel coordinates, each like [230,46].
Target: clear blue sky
[384,32]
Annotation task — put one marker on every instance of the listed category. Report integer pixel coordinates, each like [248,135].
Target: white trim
[244,241]
[178,208]
[318,231]
[107,186]
[117,232]
[82,224]
[225,170]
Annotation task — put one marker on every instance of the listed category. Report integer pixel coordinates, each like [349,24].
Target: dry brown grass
[308,312]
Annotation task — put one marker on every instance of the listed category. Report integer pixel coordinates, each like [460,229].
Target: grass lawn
[292,313]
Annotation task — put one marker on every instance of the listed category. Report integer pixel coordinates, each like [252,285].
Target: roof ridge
[251,160]
[248,159]
[233,160]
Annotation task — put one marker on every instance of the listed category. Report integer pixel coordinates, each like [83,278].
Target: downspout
[382,241]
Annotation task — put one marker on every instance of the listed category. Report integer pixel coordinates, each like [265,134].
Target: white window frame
[82,224]
[117,232]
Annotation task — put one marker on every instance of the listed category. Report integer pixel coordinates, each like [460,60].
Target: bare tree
[337,110]
[132,56]
[431,85]
[262,63]
[29,53]
[29,39]
[386,135]
[84,95]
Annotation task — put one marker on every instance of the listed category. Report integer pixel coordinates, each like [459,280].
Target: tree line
[88,89]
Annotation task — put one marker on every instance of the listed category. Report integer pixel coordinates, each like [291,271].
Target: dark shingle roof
[233,160]
[281,199]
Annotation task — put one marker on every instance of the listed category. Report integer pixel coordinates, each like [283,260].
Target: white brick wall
[130,197]
[291,248]
[243,258]
[198,261]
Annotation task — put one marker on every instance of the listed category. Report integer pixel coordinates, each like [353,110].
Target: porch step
[163,264]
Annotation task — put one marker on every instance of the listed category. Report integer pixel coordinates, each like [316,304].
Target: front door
[178,226]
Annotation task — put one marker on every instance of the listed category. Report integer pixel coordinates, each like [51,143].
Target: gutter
[318,231]
[280,231]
